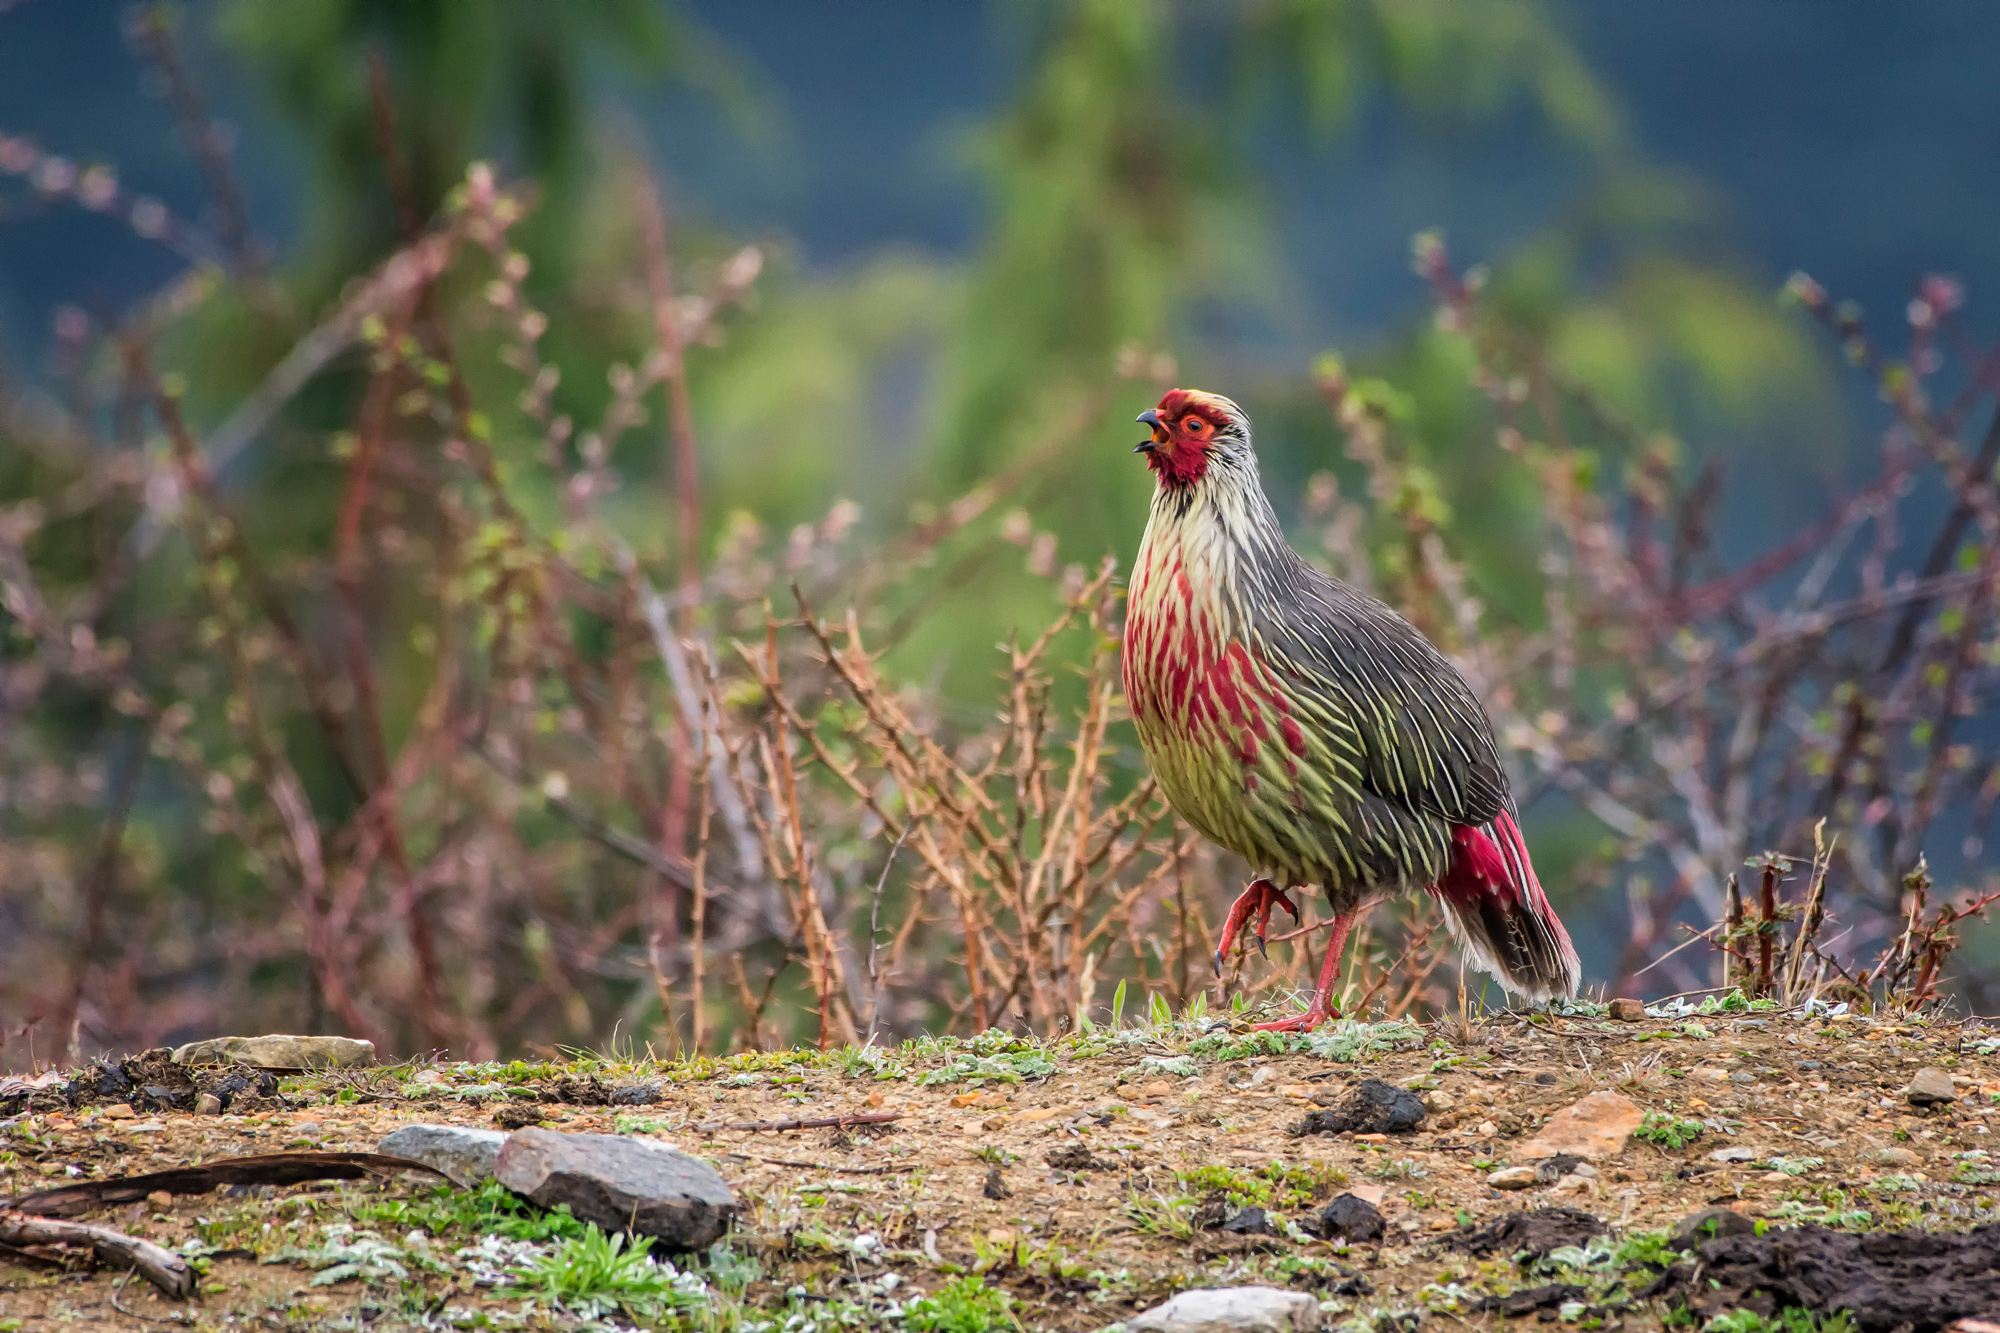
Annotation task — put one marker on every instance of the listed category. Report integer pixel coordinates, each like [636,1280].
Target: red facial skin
[1187,427]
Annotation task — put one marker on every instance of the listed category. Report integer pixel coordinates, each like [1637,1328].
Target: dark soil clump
[1915,1280]
[1373,1108]
[1537,1232]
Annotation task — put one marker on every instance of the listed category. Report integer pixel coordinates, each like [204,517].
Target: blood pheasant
[1310,729]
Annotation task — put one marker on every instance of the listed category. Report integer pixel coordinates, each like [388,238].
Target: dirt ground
[1084,1177]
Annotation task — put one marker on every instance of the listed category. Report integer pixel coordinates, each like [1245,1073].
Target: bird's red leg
[1257,900]
[1323,1006]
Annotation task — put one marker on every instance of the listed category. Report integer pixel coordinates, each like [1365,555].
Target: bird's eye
[1193,425]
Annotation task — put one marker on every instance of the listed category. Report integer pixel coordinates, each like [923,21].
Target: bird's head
[1192,430]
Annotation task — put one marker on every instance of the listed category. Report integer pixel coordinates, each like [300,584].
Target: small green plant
[994,1153]
[962,1305]
[594,1275]
[1795,1166]
[1668,1131]
[1169,1218]
[490,1210]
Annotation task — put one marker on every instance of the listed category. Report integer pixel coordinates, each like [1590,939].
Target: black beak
[1150,417]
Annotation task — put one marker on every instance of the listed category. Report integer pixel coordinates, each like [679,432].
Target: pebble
[120,1112]
[1231,1310]
[1599,1125]
[208,1104]
[1513,1178]
[159,1201]
[621,1184]
[465,1155]
[1627,1011]
[1733,1154]
[1931,1087]
[1437,1101]
[1894,1157]
[278,1051]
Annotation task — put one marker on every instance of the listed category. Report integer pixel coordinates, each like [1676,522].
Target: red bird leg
[1323,1006]
[1259,898]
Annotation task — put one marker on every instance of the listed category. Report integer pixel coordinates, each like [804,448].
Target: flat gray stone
[465,1155]
[621,1184]
[1231,1310]
[1734,1154]
[1931,1087]
[278,1051]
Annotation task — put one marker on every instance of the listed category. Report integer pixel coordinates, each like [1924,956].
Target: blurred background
[387,648]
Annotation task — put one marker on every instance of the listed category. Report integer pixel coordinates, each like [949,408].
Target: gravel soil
[1087,1178]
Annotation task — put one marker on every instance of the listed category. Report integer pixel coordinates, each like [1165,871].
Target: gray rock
[636,1094]
[465,1155]
[1931,1087]
[1735,1154]
[622,1184]
[1895,1157]
[208,1104]
[278,1051]
[1231,1310]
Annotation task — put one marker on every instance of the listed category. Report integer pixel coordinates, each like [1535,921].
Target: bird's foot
[1304,1022]
[1256,900]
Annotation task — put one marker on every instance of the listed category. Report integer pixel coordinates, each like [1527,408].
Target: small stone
[1627,1011]
[1573,1184]
[1597,1126]
[621,1184]
[1735,1153]
[159,1201]
[278,1051]
[120,1111]
[1894,1157]
[208,1104]
[465,1155]
[1712,1224]
[1231,1310]
[1350,1217]
[1514,1178]
[1373,1108]
[636,1094]
[1547,1079]
[1931,1087]
[1437,1101]
[967,1099]
[1811,1064]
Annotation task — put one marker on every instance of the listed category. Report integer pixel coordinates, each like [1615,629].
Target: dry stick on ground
[173,1275]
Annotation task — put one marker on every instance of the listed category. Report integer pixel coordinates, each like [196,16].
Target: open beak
[1151,417]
